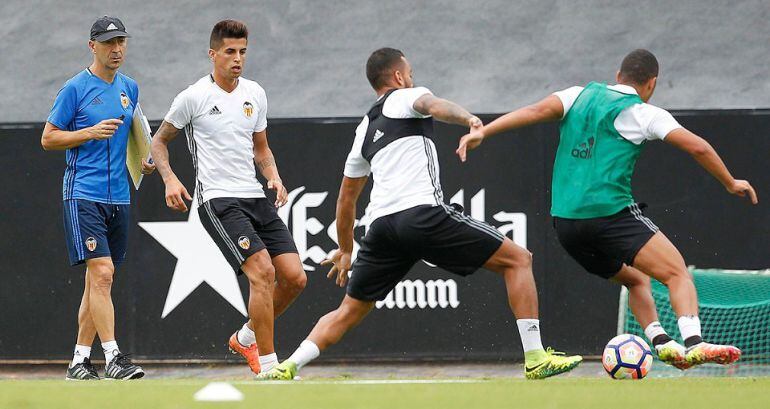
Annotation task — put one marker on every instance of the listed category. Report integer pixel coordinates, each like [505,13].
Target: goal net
[734,309]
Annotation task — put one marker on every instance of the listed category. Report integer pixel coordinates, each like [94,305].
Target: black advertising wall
[175,298]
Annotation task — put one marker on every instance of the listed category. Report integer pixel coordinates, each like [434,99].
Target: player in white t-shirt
[596,219]
[409,220]
[225,119]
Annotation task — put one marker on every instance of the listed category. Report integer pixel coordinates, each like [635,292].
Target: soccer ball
[627,357]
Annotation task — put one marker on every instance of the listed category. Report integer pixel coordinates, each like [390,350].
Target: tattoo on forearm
[159,148]
[460,114]
[266,163]
[453,113]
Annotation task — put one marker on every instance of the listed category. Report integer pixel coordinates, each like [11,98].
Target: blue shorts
[94,229]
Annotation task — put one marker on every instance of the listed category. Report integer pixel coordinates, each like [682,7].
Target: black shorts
[603,244]
[242,227]
[440,235]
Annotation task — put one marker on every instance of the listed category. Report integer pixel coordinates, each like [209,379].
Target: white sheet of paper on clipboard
[139,140]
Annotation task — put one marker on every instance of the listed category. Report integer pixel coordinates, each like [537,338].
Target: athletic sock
[661,339]
[110,350]
[246,336]
[529,331]
[692,341]
[656,334]
[306,352]
[689,326]
[81,353]
[267,362]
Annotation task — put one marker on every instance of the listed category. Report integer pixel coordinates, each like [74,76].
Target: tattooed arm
[265,161]
[175,190]
[446,111]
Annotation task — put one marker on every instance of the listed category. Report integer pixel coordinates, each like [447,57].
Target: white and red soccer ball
[627,357]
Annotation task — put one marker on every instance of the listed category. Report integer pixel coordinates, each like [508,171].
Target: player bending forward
[603,130]
[225,119]
[411,222]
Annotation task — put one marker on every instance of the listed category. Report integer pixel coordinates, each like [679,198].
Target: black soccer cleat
[83,371]
[121,368]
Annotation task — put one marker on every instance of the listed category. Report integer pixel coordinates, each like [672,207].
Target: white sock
[81,353]
[529,331]
[110,350]
[689,326]
[306,352]
[653,330]
[246,336]
[267,362]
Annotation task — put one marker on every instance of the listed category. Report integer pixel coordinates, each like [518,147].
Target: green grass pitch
[680,393]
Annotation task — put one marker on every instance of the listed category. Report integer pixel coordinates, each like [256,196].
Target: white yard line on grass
[204,381]
[363,382]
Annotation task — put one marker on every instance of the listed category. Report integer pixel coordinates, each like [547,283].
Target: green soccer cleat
[673,353]
[285,371]
[550,363]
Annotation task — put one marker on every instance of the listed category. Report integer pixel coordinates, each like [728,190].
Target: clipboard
[138,147]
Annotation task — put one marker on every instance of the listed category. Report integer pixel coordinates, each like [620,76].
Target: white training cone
[218,392]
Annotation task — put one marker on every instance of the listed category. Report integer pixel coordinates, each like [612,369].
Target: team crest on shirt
[124,100]
[244,242]
[91,244]
[248,109]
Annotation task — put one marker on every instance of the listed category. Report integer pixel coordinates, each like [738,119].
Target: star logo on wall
[198,261]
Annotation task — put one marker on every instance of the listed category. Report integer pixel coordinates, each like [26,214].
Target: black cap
[107,28]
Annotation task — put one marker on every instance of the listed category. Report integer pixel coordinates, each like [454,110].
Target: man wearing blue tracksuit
[90,119]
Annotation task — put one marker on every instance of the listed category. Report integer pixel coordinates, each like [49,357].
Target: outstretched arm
[708,158]
[445,111]
[548,109]
[175,190]
[350,190]
[265,161]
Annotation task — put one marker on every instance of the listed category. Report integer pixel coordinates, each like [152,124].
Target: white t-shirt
[637,123]
[220,127]
[406,171]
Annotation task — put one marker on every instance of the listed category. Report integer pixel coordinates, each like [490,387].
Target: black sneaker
[121,368]
[83,371]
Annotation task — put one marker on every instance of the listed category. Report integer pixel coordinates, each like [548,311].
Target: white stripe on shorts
[637,212]
[483,227]
[221,229]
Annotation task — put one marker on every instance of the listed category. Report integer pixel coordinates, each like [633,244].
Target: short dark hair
[227,29]
[379,65]
[639,66]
